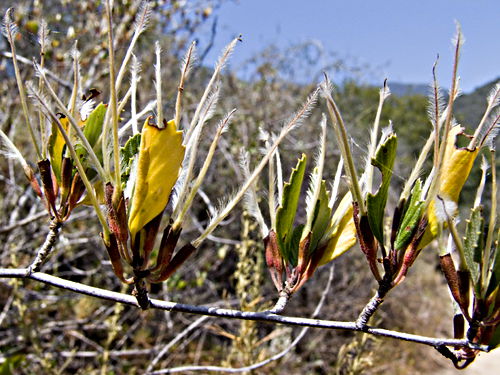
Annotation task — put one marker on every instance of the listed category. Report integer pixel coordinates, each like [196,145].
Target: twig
[141,293]
[112,353]
[368,311]
[374,303]
[230,313]
[6,308]
[177,338]
[23,222]
[47,247]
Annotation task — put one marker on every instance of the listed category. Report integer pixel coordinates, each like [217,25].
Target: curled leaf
[343,236]
[411,218]
[57,147]
[457,164]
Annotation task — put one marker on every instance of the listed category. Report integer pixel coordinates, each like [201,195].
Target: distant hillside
[470,107]
[402,89]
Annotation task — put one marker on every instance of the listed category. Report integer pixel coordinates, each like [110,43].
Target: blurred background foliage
[46,330]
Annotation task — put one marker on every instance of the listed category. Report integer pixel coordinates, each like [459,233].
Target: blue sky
[398,39]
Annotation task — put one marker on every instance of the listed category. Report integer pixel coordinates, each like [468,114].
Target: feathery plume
[188,60]
[218,68]
[159,103]
[43,35]
[494,96]
[250,200]
[134,71]
[11,151]
[9,27]
[315,179]
[484,170]
[144,15]
[235,198]
[444,208]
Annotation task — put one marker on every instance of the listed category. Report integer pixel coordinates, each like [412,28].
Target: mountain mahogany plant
[425,209]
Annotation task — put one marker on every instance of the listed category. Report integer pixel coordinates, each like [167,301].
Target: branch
[232,314]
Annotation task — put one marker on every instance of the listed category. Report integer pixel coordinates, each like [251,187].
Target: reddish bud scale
[274,260]
[47,183]
[167,246]
[149,235]
[179,258]
[76,191]
[115,257]
[66,178]
[117,218]
[366,240]
[411,251]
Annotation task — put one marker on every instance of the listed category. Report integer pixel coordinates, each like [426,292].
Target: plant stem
[487,271]
[114,106]
[343,141]
[20,86]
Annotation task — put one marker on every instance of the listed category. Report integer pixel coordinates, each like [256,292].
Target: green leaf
[285,215]
[292,245]
[94,123]
[92,130]
[473,245]
[127,156]
[321,221]
[384,161]
[411,218]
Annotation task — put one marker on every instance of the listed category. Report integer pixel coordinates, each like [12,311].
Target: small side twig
[368,311]
[373,305]
[47,247]
[23,222]
[280,305]
[141,293]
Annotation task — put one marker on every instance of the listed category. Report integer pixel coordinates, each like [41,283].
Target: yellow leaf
[56,147]
[160,157]
[344,234]
[457,165]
